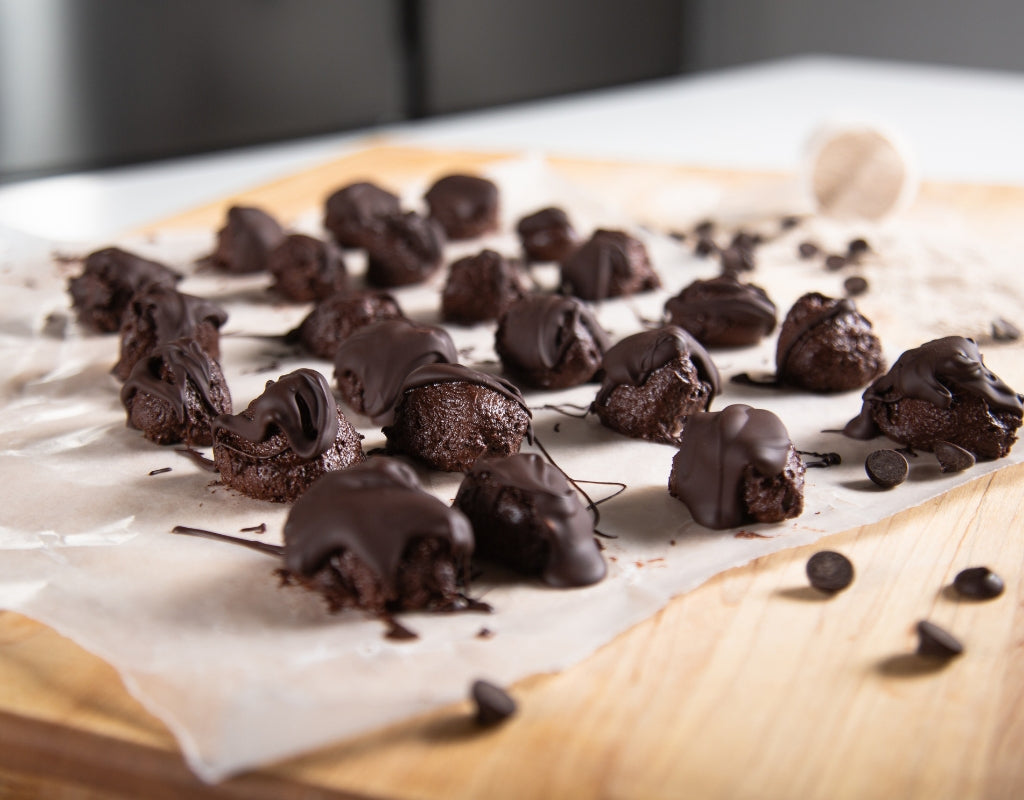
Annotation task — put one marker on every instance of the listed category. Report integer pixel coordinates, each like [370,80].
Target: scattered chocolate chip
[829,571]
[160,471]
[705,246]
[704,228]
[485,633]
[745,240]
[808,249]
[493,704]
[886,468]
[978,583]
[855,286]
[952,457]
[936,642]
[834,263]
[1004,331]
[679,236]
[789,222]
[736,259]
[857,247]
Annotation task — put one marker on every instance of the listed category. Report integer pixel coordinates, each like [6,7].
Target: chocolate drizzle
[299,404]
[632,360]
[172,314]
[537,332]
[186,364]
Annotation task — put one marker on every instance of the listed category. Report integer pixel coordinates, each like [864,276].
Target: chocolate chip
[736,259]
[808,249]
[855,285]
[787,223]
[679,236]
[978,583]
[835,263]
[886,468]
[952,457]
[493,704]
[829,571]
[936,642]
[705,246]
[745,240]
[1004,331]
[704,228]
[856,248]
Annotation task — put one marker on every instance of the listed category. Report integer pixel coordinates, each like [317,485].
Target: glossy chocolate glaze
[172,314]
[379,356]
[717,448]
[573,558]
[633,359]
[245,241]
[537,331]
[299,404]
[931,373]
[609,264]
[186,362]
[373,510]
[723,312]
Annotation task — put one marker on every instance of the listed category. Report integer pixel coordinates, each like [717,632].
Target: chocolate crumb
[1004,331]
[261,528]
[679,236]
[398,632]
[493,704]
[789,222]
[978,583]
[936,642]
[485,633]
[829,571]
[855,286]
[834,263]
[704,228]
[952,457]
[807,250]
[750,535]
[705,246]
[672,542]
[160,471]
[886,468]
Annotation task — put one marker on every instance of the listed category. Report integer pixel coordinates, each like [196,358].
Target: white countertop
[958,124]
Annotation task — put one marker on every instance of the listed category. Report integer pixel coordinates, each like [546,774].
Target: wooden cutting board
[752,685]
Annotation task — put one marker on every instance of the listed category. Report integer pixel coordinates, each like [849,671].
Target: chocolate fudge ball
[653,380]
[305,268]
[737,466]
[174,394]
[109,279]
[371,538]
[287,438]
[245,241]
[407,249]
[448,416]
[941,392]
[159,315]
[609,264]
[481,288]
[550,342]
[723,312]
[526,516]
[826,345]
[371,365]
[466,206]
[336,318]
[354,213]
[547,235]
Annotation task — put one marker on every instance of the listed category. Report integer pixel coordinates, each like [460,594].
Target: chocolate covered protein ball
[466,206]
[547,235]
[245,241]
[448,416]
[305,268]
[941,392]
[550,342]
[110,278]
[408,248]
[609,264]
[737,466]
[371,365]
[355,213]
[653,380]
[481,287]
[526,516]
[287,438]
[371,538]
[174,394]
[159,315]
[337,317]
[723,312]
[826,345]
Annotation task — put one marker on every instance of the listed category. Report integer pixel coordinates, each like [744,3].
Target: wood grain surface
[753,685]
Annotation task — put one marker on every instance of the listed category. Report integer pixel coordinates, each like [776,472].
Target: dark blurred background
[89,83]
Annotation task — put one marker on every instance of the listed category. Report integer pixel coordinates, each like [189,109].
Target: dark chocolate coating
[174,394]
[652,381]
[481,288]
[826,345]
[355,212]
[466,206]
[245,241]
[159,315]
[527,516]
[449,415]
[408,248]
[305,268]
[371,365]
[337,317]
[369,537]
[550,341]
[286,439]
[547,235]
[941,391]
[609,264]
[109,279]
[723,312]
[737,465]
